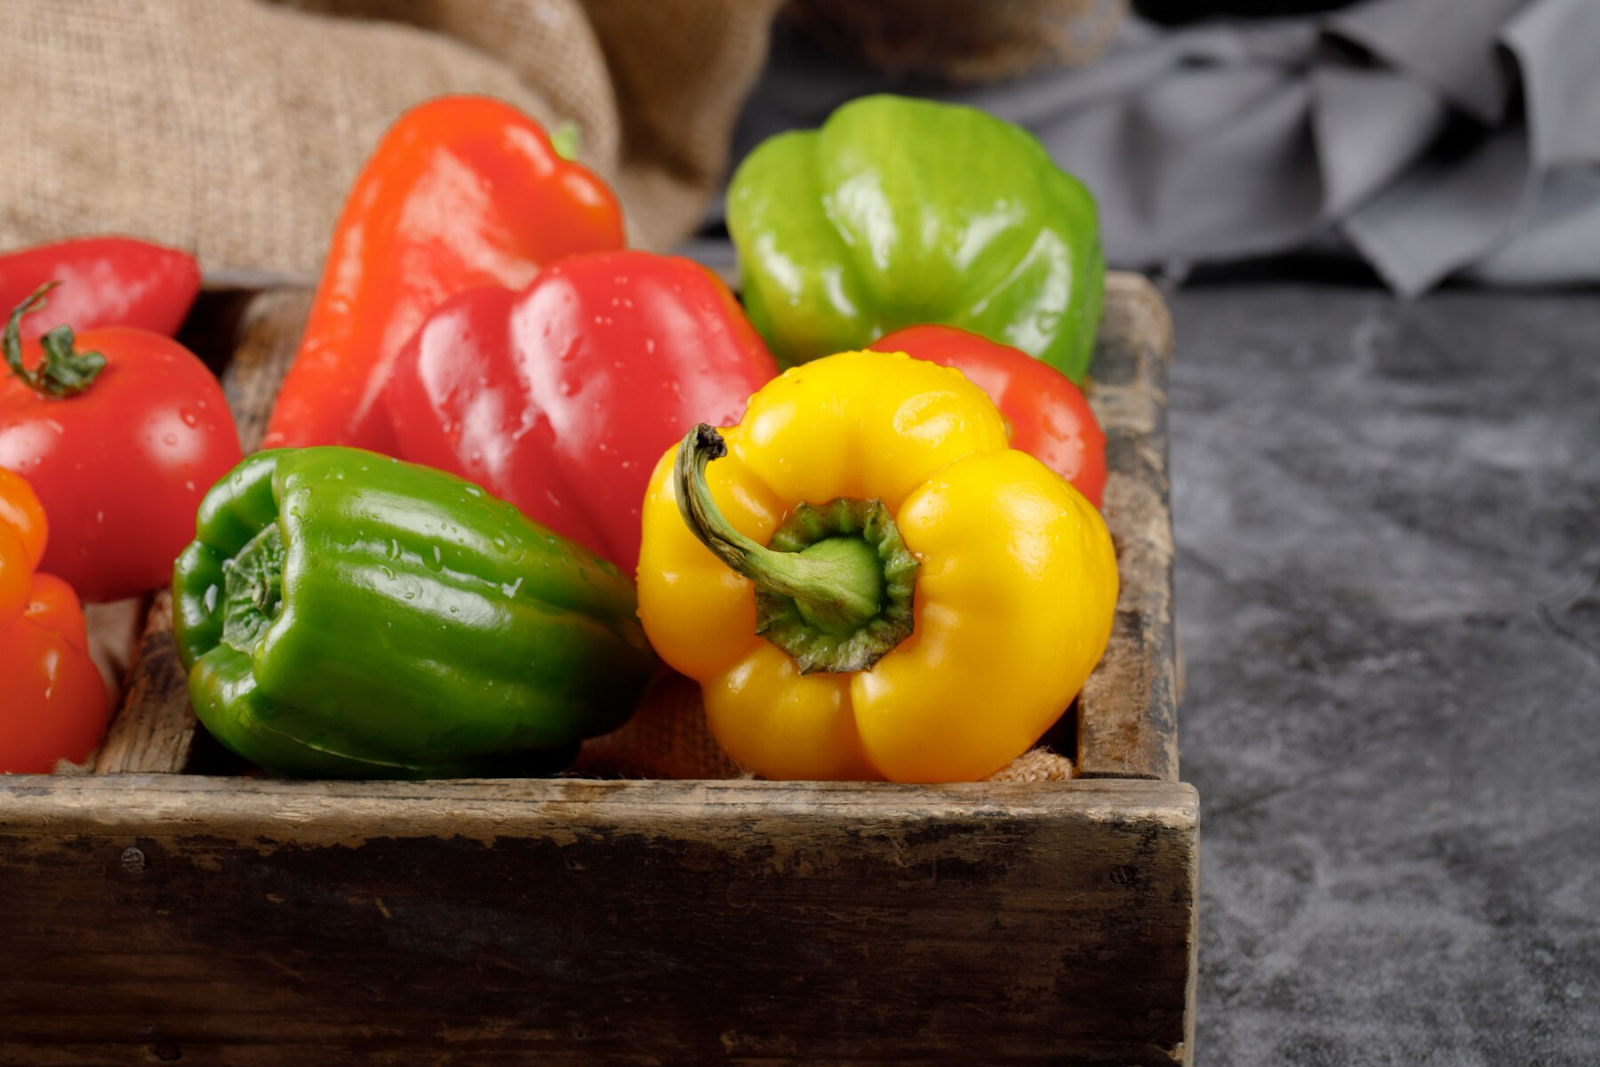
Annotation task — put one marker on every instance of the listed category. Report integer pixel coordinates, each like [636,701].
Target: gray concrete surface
[1388,523]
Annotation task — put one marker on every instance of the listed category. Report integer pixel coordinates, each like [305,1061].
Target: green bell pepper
[343,614]
[899,212]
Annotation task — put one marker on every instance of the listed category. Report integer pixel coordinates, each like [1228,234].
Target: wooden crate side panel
[573,922]
[1127,713]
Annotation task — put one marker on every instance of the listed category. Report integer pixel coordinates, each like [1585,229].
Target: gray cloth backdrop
[1435,138]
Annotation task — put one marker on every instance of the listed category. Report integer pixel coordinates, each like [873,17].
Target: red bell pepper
[1050,418]
[561,398]
[462,191]
[104,281]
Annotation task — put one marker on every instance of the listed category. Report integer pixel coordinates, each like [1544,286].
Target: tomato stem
[62,372]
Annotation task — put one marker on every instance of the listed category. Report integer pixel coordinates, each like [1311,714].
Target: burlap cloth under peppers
[233,128]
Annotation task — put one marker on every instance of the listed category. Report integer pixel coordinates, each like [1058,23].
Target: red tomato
[120,466]
[1049,416]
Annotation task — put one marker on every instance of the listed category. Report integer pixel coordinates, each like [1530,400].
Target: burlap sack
[234,127]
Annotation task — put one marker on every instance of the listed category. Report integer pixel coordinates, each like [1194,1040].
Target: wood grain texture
[154,732]
[1127,713]
[581,922]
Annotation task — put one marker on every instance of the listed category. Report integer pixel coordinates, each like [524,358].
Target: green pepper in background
[343,614]
[898,212]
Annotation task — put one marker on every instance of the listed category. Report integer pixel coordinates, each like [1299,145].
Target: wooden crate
[155,912]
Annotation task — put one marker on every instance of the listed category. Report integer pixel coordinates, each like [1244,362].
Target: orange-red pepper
[52,701]
[462,191]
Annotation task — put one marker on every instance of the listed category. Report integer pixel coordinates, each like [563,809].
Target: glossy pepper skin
[344,614]
[898,212]
[104,281]
[462,191]
[560,398]
[1049,417]
[1004,572]
[52,701]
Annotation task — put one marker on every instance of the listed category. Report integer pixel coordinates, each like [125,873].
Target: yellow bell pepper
[928,602]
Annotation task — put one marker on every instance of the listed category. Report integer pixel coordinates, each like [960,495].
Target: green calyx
[62,372]
[834,587]
[252,590]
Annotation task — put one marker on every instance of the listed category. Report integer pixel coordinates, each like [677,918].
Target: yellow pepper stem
[835,587]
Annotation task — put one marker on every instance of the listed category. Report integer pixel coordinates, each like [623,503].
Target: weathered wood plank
[154,731]
[1127,713]
[575,922]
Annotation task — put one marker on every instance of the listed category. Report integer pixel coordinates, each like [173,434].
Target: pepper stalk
[835,587]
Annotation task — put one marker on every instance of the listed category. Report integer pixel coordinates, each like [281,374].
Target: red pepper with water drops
[560,398]
[461,192]
[120,431]
[1049,417]
[103,281]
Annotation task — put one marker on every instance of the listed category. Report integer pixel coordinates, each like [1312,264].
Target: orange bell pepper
[462,191]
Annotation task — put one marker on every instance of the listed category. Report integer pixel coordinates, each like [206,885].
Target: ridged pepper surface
[867,582]
[344,614]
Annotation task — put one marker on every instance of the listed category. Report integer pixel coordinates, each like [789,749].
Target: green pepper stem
[835,587]
[63,372]
[837,584]
[567,139]
[253,590]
